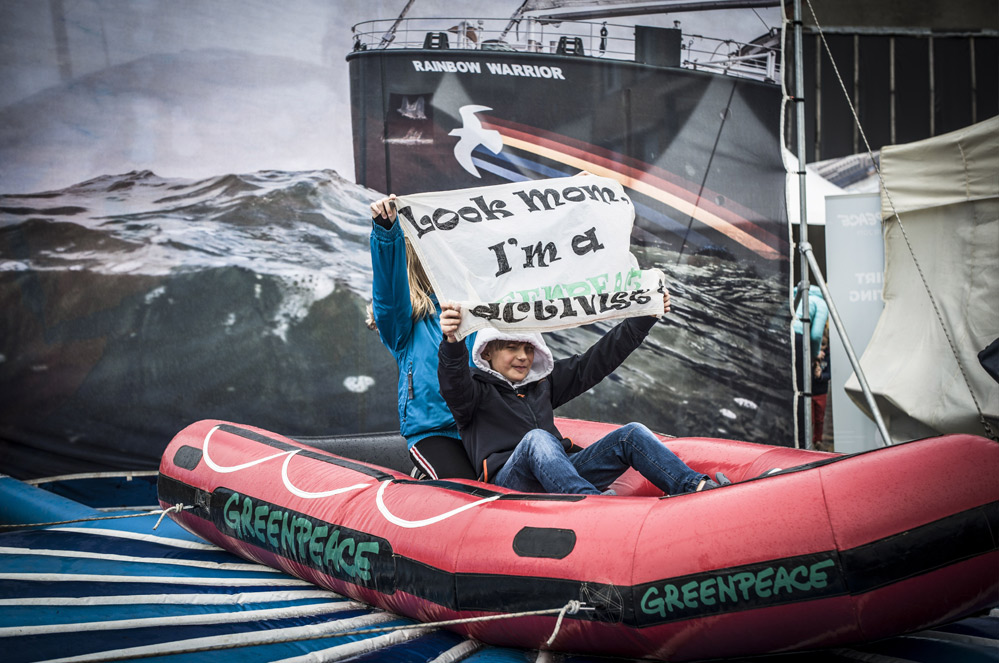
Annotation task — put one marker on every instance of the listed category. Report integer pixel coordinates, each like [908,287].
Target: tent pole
[806,345]
[806,250]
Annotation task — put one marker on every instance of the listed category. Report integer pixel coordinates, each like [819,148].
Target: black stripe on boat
[464,488]
[368,470]
[378,474]
[482,492]
[172,491]
[932,546]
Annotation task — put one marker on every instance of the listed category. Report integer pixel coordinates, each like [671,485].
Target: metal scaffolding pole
[806,250]
[810,265]
[805,396]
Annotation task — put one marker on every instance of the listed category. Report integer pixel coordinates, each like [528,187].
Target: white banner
[532,256]
[855,263]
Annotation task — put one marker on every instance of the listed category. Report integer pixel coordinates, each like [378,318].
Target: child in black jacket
[504,408]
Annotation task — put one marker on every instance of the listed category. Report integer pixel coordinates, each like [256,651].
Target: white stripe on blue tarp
[136,536]
[219,566]
[186,620]
[163,580]
[232,640]
[975,640]
[172,599]
[458,652]
[356,648]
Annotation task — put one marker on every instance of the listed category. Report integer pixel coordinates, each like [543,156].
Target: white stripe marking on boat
[222,469]
[395,520]
[306,495]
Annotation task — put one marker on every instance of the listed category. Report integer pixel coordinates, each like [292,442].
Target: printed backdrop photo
[183,235]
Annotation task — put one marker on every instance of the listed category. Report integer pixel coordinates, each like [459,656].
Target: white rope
[905,235]
[571,608]
[176,508]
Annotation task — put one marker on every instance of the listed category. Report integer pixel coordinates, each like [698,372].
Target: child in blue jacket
[406,315]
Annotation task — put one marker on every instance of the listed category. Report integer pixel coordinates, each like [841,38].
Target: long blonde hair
[419,285]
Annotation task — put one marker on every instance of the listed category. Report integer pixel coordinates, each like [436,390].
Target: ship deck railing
[759,60]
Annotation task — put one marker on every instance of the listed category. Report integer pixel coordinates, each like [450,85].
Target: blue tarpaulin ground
[116,589]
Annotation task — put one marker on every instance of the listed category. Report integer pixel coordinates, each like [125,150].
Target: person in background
[504,407]
[818,316]
[406,314]
[820,390]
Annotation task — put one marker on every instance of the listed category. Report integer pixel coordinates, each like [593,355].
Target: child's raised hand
[665,302]
[450,319]
[384,208]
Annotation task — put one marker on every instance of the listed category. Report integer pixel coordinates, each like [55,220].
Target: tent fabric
[958,167]
[946,192]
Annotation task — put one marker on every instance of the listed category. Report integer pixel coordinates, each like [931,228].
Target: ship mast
[389,35]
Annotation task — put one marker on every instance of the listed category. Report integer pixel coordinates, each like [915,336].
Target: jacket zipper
[523,397]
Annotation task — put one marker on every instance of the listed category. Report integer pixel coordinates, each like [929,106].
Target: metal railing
[760,61]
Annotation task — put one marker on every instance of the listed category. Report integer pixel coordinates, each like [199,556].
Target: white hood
[543,361]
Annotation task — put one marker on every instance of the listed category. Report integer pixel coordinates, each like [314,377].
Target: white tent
[816,190]
[945,190]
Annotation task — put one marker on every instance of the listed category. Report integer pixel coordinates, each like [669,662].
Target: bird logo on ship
[471,135]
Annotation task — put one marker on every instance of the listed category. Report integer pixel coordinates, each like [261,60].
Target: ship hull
[698,152]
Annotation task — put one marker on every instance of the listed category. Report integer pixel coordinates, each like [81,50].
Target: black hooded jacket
[493,415]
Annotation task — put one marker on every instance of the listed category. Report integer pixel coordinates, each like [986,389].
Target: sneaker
[609,491]
[706,484]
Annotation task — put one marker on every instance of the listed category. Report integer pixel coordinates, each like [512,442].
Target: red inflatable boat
[831,550]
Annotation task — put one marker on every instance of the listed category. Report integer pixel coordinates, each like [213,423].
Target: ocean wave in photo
[135,305]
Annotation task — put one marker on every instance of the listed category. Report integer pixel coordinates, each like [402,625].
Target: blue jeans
[540,464]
